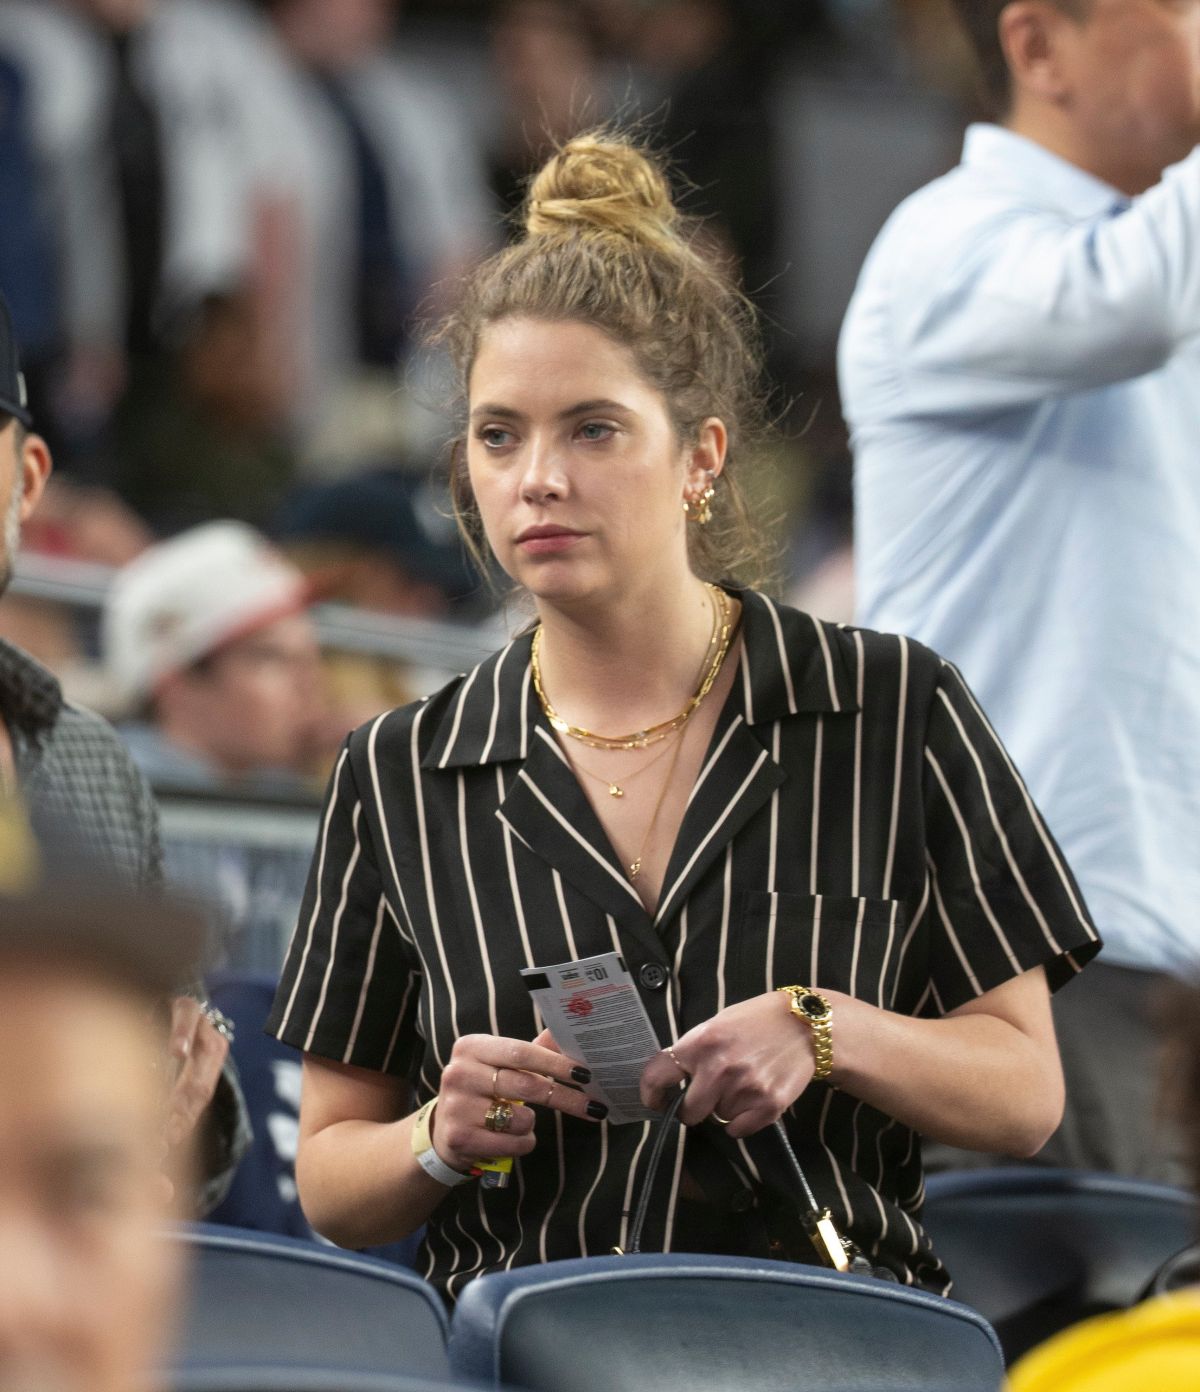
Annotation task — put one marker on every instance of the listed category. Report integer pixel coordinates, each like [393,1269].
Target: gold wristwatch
[816,1012]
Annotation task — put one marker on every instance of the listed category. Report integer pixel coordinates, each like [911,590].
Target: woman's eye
[494,437]
[595,430]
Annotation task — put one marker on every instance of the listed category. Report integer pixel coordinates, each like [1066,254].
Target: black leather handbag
[831,1247]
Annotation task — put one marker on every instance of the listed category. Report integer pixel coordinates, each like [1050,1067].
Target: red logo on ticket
[579,1006]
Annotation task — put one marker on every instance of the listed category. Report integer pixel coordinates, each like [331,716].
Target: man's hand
[198,1052]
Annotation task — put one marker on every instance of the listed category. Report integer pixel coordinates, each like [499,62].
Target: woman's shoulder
[452,725]
[862,661]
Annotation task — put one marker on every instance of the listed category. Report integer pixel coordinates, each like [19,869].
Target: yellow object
[20,863]
[1154,1347]
[501,1165]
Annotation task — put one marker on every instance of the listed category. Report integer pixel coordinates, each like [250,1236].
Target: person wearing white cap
[208,636]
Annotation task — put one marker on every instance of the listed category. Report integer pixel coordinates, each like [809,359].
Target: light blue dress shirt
[1020,370]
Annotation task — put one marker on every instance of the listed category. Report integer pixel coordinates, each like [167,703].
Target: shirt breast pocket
[838,942]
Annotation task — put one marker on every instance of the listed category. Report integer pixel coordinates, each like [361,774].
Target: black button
[652,975]
[742,1201]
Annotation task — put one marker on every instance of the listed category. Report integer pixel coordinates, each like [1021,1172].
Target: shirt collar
[792,664]
[30,697]
[1008,158]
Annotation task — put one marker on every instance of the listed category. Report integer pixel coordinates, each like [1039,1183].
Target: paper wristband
[428,1158]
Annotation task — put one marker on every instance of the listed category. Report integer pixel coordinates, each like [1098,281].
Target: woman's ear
[706,457]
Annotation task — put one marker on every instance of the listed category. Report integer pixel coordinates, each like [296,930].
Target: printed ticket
[594,1011]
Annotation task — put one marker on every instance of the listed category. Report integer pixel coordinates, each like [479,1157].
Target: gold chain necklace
[635,867]
[640,739]
[617,790]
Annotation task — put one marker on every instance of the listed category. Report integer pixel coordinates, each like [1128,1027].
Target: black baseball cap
[13,398]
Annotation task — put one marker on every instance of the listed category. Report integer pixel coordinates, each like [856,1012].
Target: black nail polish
[581,1075]
[597,1110]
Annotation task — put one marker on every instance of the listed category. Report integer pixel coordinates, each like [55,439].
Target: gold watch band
[816,1012]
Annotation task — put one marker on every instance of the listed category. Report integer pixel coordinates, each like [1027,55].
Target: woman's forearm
[975,1080]
[360,1184]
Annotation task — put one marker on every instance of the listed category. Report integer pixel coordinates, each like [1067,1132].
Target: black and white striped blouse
[856,825]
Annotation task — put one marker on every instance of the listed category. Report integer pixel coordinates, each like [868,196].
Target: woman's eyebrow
[598,404]
[488,408]
[497,412]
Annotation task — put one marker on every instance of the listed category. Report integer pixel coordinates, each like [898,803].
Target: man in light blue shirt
[1020,369]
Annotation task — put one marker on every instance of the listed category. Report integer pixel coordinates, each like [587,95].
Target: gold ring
[495,1082]
[720,1120]
[499,1115]
[671,1054]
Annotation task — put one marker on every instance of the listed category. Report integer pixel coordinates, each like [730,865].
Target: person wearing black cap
[73,775]
[87,1283]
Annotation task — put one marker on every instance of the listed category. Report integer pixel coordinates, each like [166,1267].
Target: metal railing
[446,647]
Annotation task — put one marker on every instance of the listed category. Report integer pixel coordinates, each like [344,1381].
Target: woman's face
[576,467]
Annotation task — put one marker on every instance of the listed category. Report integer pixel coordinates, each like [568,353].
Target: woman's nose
[543,477]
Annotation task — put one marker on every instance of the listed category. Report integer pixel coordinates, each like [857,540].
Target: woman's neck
[630,665]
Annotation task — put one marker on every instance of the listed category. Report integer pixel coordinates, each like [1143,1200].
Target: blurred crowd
[225,221]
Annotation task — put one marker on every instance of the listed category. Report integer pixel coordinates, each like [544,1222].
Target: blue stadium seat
[1035,1250]
[680,1322]
[1176,1273]
[265,1301]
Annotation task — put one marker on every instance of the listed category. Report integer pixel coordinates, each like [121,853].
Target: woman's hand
[483,1067]
[747,1065]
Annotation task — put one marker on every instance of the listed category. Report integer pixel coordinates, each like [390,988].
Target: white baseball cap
[184,598]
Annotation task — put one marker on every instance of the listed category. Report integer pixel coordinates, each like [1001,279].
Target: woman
[736,797]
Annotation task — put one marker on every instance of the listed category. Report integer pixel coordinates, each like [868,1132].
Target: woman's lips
[541,541]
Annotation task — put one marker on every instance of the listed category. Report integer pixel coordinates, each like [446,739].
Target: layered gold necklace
[641,739]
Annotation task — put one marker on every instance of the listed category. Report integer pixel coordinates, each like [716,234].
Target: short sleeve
[348,991]
[1002,898]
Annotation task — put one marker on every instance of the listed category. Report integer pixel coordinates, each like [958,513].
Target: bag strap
[642,1207]
[833,1249]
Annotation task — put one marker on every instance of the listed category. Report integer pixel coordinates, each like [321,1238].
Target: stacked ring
[499,1115]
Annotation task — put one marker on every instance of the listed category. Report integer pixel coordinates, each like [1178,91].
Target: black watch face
[813,1007]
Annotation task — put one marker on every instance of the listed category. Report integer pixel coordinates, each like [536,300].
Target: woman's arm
[359,1181]
[987,1076]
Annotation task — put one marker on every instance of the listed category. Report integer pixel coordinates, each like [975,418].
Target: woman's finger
[546,1040]
[461,1132]
[541,1090]
[519,1055]
[661,1078]
[702,1097]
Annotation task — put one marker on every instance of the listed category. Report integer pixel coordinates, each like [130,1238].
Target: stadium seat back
[258,1300]
[679,1322]
[1035,1250]
[1176,1273]
[285,1378]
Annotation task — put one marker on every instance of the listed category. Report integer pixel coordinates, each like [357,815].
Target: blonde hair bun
[599,184]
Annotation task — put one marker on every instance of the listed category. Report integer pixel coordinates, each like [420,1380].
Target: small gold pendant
[635,869]
[615,790]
